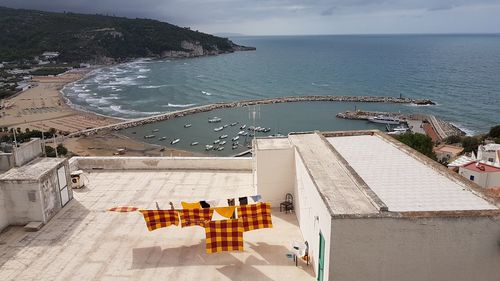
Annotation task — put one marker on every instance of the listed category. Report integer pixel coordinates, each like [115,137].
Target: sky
[296,17]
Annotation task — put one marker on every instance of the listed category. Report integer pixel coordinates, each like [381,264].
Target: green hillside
[80,37]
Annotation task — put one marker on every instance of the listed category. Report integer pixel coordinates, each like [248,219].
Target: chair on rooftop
[287,205]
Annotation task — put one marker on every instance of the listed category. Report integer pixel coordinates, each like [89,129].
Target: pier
[435,128]
[244,103]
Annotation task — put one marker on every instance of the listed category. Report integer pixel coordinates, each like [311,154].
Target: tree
[61,150]
[419,142]
[50,151]
[453,139]
[495,132]
[470,144]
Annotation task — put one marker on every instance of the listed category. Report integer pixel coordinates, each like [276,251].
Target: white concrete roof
[84,242]
[403,182]
[32,170]
[341,192]
[273,143]
[460,161]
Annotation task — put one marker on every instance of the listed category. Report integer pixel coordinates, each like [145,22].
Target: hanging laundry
[123,209]
[256,198]
[204,204]
[243,201]
[225,212]
[231,202]
[255,216]
[190,206]
[192,217]
[160,218]
[223,236]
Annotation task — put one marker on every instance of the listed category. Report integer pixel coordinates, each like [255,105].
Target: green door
[321,258]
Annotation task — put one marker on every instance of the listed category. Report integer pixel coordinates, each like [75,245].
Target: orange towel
[190,206]
[226,212]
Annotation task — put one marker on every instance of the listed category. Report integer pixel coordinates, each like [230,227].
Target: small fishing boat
[243,127]
[241,133]
[175,141]
[222,143]
[216,141]
[208,147]
[194,143]
[236,143]
[234,124]
[244,134]
[234,146]
[149,136]
[266,130]
[187,125]
[162,138]
[218,129]
[156,130]
[223,137]
[220,148]
[235,138]
[214,120]
[225,126]
[384,119]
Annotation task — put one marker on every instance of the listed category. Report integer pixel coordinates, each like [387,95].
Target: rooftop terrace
[84,242]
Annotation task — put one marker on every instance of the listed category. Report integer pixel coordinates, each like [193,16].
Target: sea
[461,73]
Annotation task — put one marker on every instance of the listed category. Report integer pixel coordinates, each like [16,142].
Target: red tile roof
[481,168]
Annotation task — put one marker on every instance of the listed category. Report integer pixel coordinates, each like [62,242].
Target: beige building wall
[275,174]
[23,202]
[313,216]
[3,212]
[465,248]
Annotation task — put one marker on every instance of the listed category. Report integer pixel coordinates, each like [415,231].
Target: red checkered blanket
[224,235]
[255,216]
[195,217]
[160,218]
[123,209]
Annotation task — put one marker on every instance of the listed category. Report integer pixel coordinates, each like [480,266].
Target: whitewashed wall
[275,174]
[465,248]
[313,215]
[162,163]
[482,179]
[3,212]
[20,209]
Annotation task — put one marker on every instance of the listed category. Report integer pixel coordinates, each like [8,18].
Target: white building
[482,173]
[369,207]
[489,153]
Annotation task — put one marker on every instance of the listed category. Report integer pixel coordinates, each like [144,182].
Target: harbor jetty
[244,103]
[436,128]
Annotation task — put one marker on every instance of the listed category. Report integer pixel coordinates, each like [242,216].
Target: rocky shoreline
[210,107]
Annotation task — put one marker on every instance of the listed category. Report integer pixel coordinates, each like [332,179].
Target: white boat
[187,125]
[220,148]
[223,137]
[383,119]
[218,129]
[155,130]
[235,138]
[243,127]
[208,147]
[175,141]
[235,146]
[149,136]
[234,124]
[216,141]
[225,126]
[214,120]
[222,143]
[163,138]
[241,133]
[194,143]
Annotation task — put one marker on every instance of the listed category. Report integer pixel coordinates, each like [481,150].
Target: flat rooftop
[342,193]
[403,182]
[33,170]
[85,242]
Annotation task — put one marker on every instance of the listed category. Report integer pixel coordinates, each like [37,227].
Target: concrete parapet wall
[161,163]
[27,152]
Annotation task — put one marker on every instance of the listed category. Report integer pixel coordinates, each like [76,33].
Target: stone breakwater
[210,107]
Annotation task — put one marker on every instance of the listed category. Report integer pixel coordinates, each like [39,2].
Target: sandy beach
[42,107]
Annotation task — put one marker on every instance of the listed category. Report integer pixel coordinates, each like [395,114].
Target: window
[490,159]
[471,178]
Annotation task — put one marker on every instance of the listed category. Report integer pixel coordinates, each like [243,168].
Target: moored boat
[234,124]
[216,141]
[243,127]
[208,147]
[187,125]
[218,129]
[149,136]
[156,130]
[384,119]
[222,143]
[235,138]
[223,137]
[220,148]
[175,141]
[162,138]
[214,120]
[194,143]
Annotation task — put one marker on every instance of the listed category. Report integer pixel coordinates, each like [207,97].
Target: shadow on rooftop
[56,232]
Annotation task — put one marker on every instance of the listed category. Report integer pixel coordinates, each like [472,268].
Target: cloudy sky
[289,17]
